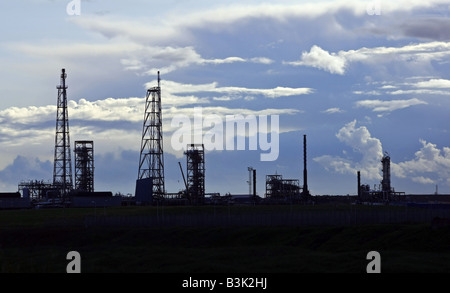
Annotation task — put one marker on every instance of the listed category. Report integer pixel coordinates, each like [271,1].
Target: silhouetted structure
[305,192]
[62,170]
[359,184]
[13,200]
[84,165]
[151,162]
[384,192]
[195,156]
[38,189]
[277,187]
[254,183]
[250,170]
[386,169]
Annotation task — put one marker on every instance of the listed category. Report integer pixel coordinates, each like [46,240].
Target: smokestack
[305,171]
[158,79]
[359,184]
[254,183]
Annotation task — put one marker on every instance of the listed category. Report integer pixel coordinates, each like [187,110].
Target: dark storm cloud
[428,28]
[23,169]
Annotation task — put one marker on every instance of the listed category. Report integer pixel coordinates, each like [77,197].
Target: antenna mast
[62,169]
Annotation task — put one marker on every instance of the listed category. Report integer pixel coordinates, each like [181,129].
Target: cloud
[337,63]
[332,111]
[131,109]
[400,18]
[178,88]
[369,93]
[433,83]
[416,85]
[321,59]
[24,169]
[388,86]
[429,161]
[361,141]
[176,28]
[418,92]
[427,27]
[423,180]
[430,164]
[144,59]
[25,115]
[261,60]
[112,122]
[389,106]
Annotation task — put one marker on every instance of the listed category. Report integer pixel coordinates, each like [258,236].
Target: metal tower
[195,155]
[84,165]
[62,169]
[151,162]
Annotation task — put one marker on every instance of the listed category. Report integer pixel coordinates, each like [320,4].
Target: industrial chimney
[305,171]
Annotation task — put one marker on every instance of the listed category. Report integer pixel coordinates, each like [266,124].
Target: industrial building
[279,190]
[150,186]
[84,165]
[77,190]
[63,191]
[384,192]
[14,200]
[94,199]
[195,182]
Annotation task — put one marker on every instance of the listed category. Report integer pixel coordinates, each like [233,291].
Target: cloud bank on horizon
[357,83]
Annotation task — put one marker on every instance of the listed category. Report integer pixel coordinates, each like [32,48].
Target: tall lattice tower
[62,169]
[195,155]
[151,162]
[84,165]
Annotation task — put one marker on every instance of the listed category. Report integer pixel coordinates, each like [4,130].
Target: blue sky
[358,84]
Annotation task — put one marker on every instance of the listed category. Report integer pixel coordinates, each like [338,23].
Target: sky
[358,78]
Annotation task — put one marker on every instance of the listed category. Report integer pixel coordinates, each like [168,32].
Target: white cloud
[388,106]
[434,83]
[361,141]
[332,111]
[178,88]
[337,63]
[319,58]
[423,180]
[261,60]
[28,114]
[428,161]
[384,87]
[369,93]
[418,92]
[137,57]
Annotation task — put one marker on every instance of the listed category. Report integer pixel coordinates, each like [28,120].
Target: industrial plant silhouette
[63,191]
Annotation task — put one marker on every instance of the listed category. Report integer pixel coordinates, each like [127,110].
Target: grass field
[39,240]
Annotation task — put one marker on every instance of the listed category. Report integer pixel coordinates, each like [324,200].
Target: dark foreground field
[208,240]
